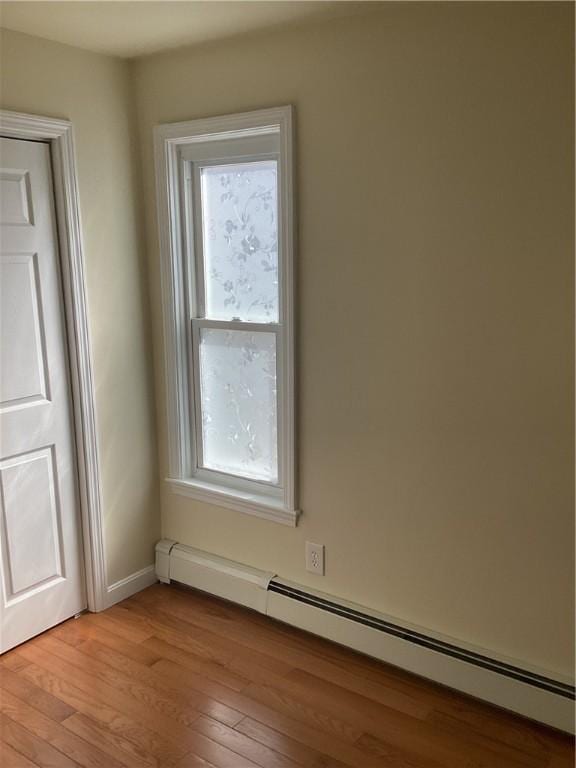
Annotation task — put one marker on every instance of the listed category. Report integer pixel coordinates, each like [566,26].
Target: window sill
[259,505]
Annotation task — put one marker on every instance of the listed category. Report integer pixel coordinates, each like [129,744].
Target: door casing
[60,135]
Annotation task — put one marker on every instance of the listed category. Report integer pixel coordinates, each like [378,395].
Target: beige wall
[94,92]
[435,278]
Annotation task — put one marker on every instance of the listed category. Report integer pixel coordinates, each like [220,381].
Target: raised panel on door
[41,566]
[23,372]
[29,500]
[15,198]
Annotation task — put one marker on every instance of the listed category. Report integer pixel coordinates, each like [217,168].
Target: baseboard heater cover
[425,641]
[511,686]
[210,573]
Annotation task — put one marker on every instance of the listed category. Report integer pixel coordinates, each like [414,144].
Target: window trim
[170,143]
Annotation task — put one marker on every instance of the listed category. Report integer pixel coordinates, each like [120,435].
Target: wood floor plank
[377,720]
[275,698]
[174,604]
[389,696]
[88,627]
[335,663]
[184,652]
[114,745]
[499,726]
[13,661]
[191,682]
[204,610]
[243,744]
[300,753]
[561,761]
[305,733]
[244,661]
[515,750]
[140,710]
[286,651]
[300,708]
[398,735]
[337,718]
[279,639]
[49,705]
[10,758]
[422,745]
[408,699]
[158,747]
[363,708]
[134,681]
[215,754]
[126,629]
[193,761]
[174,689]
[36,749]
[218,622]
[55,734]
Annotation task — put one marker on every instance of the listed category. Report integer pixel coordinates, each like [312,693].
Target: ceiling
[136,28]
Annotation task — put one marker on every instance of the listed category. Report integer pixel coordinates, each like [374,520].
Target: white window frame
[231,138]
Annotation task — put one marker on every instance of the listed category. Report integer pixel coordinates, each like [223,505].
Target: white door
[41,554]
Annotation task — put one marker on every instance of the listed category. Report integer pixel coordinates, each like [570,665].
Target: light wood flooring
[175,678]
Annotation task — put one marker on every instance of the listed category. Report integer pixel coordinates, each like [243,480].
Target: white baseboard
[127,587]
[533,693]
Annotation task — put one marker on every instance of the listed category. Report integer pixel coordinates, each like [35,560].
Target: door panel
[41,564]
[22,378]
[15,202]
[28,487]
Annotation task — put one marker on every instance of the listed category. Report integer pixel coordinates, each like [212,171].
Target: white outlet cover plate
[315,558]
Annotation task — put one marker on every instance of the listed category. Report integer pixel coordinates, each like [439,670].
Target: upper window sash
[196,235]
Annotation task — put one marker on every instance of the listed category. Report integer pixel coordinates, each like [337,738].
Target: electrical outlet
[315,558]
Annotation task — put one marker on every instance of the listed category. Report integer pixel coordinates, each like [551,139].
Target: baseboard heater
[528,692]
[410,636]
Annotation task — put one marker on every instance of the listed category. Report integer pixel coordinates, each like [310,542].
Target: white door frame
[59,134]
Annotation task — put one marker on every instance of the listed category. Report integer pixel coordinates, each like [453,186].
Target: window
[226,235]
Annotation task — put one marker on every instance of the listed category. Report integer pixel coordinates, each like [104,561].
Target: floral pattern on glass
[240,241]
[238,403]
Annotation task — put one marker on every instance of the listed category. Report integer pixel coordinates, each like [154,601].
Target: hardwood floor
[177,679]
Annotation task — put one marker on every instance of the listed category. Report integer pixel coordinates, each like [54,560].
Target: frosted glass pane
[238,399]
[240,239]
